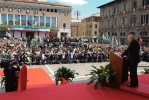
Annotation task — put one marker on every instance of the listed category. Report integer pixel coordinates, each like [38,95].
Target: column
[56,21]
[7,18]
[0,19]
[44,21]
[50,21]
[20,21]
[39,19]
[13,19]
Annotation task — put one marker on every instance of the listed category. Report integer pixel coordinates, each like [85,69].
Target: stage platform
[142,89]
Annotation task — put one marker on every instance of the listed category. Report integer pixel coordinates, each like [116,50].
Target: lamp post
[77,13]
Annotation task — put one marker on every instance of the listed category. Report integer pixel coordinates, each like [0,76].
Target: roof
[107,3]
[41,2]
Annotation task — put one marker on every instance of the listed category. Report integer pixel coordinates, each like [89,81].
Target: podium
[22,81]
[120,66]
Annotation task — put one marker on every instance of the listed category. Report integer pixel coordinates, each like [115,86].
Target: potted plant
[102,76]
[64,74]
[146,71]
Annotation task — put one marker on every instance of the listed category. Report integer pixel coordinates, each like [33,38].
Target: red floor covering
[70,92]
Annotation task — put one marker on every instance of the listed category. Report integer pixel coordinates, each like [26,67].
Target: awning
[28,29]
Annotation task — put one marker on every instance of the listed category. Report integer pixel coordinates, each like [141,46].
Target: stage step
[142,89]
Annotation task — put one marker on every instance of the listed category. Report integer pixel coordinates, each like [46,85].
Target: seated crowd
[56,51]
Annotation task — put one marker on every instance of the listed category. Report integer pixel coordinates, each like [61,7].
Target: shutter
[17,34]
[141,19]
[146,18]
[41,35]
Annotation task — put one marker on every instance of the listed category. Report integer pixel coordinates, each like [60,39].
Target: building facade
[90,27]
[76,28]
[121,17]
[35,18]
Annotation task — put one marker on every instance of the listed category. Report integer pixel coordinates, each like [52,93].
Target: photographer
[11,79]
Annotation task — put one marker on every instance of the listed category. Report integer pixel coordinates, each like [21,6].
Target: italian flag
[28,11]
[134,10]
[132,25]
[115,26]
[8,35]
[10,10]
[123,26]
[19,10]
[35,23]
[44,12]
[1,9]
[144,24]
[124,12]
[36,11]
[145,7]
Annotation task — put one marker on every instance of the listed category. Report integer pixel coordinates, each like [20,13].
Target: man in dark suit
[131,54]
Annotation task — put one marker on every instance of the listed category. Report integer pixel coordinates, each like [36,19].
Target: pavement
[82,68]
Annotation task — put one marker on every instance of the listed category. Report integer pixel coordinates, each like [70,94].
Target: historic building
[90,27]
[31,18]
[76,28]
[122,17]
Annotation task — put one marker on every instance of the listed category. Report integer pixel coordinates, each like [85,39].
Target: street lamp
[77,13]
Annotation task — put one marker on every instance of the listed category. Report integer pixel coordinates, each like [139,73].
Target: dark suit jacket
[133,52]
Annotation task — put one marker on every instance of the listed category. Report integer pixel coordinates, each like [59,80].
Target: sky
[85,7]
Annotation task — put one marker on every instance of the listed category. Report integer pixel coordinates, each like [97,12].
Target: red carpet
[142,89]
[70,92]
[36,76]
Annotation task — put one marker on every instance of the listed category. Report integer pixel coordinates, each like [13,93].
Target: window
[144,19]
[23,20]
[48,10]
[124,7]
[59,10]
[17,19]
[36,18]
[53,22]
[41,20]
[109,12]
[95,25]
[115,22]
[95,32]
[108,23]
[6,6]
[115,10]
[24,8]
[102,24]
[10,19]
[51,10]
[143,33]
[134,5]
[102,13]
[114,34]
[55,10]
[64,25]
[4,19]
[122,34]
[47,21]
[145,2]
[133,19]
[123,21]
[40,9]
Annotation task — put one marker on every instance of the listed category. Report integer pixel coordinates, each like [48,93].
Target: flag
[144,24]
[132,25]
[10,10]
[8,35]
[19,10]
[134,10]
[1,9]
[36,11]
[35,23]
[29,23]
[27,11]
[145,7]
[103,37]
[107,36]
[119,42]
[123,26]
[115,26]
[44,12]
[140,40]
[124,12]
